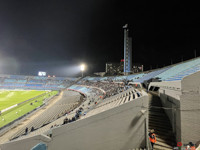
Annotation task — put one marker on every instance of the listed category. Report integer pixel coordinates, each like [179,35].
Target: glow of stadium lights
[82,67]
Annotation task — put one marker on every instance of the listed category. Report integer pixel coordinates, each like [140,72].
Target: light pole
[82,68]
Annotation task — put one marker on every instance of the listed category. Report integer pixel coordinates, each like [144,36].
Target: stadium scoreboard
[42,74]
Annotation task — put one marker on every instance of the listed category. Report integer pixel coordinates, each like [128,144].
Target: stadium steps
[138,149]
[159,121]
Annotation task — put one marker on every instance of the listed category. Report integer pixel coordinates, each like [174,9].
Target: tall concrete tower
[127,51]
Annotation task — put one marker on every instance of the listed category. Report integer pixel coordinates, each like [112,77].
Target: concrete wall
[174,85]
[172,110]
[190,108]
[25,144]
[182,102]
[120,128]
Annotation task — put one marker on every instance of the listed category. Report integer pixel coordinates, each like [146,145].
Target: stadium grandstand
[110,113]
[34,82]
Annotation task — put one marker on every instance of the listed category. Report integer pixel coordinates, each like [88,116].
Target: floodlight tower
[82,67]
[127,51]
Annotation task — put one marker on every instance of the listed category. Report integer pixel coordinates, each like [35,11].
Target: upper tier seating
[135,77]
[119,78]
[184,73]
[171,73]
[178,70]
[151,75]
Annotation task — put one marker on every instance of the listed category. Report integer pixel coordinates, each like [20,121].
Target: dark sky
[56,36]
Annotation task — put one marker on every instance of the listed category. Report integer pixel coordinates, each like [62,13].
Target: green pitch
[10,98]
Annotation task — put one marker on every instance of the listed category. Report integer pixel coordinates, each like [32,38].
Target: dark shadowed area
[57,36]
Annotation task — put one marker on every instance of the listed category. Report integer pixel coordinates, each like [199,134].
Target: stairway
[160,122]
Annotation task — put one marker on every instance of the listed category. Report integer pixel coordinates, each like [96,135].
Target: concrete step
[155,104]
[159,125]
[159,129]
[138,149]
[156,109]
[162,132]
[153,113]
[164,145]
[169,141]
[158,147]
[159,119]
[159,115]
[169,138]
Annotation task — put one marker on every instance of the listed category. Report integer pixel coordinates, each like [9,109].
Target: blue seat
[184,73]
[35,85]
[181,68]
[10,80]
[151,75]
[40,146]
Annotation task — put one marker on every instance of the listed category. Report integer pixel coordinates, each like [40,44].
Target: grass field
[9,98]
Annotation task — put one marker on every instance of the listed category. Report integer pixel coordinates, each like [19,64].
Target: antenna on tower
[125,26]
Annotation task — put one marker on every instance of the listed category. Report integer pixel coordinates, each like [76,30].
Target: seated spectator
[32,129]
[26,131]
[65,121]
[77,115]
[73,119]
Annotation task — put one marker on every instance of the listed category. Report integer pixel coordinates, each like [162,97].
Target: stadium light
[82,67]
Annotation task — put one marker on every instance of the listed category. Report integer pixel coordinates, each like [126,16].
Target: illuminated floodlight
[82,67]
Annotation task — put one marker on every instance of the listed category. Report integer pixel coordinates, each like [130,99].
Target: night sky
[57,36]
